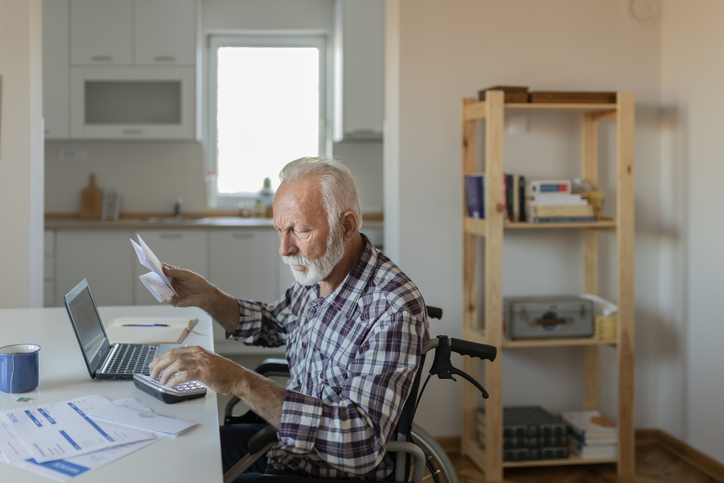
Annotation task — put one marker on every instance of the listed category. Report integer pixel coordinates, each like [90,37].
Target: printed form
[126,412]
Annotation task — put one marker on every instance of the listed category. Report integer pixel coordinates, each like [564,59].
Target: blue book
[474,195]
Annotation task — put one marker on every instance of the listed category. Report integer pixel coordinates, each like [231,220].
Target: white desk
[193,456]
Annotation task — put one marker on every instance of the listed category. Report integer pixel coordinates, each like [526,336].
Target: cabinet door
[187,249]
[104,257]
[359,80]
[243,264]
[164,32]
[56,75]
[101,32]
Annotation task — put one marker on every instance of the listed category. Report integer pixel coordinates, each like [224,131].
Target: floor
[654,464]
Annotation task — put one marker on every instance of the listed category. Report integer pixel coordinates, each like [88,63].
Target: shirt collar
[346,295]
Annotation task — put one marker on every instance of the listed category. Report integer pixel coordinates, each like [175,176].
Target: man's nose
[286,247]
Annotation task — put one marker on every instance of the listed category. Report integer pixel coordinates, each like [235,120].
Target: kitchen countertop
[157,222]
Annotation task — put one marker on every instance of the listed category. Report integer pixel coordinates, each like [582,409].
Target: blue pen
[144,325]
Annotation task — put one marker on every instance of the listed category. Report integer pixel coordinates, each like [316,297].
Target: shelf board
[477,226]
[572,342]
[476,110]
[573,460]
[477,454]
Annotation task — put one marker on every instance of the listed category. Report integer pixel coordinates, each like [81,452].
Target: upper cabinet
[101,32]
[138,32]
[165,32]
[359,70]
[121,69]
[56,75]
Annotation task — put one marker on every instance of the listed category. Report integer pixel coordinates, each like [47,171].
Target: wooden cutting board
[91,200]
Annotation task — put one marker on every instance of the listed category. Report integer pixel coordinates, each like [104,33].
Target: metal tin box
[547,317]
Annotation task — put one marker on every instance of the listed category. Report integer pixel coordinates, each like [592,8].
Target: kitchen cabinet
[56,73]
[165,32]
[101,32]
[359,69]
[127,32]
[244,263]
[104,257]
[187,249]
[121,69]
[133,103]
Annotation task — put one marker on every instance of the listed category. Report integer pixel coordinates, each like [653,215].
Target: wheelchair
[418,456]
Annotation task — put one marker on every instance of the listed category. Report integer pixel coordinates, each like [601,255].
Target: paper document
[62,430]
[146,420]
[149,330]
[155,281]
[64,470]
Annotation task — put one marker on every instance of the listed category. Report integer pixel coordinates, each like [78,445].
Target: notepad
[149,330]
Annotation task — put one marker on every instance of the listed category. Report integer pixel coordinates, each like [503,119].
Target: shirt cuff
[301,418]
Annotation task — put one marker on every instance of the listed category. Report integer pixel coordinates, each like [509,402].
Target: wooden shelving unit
[491,111]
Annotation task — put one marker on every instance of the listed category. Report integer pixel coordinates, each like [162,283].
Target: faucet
[177,208]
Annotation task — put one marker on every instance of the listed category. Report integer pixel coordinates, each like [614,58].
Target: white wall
[693,145]
[450,50]
[135,168]
[21,155]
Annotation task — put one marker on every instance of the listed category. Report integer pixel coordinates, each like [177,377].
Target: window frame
[319,40]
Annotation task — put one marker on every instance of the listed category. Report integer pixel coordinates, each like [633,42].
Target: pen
[144,325]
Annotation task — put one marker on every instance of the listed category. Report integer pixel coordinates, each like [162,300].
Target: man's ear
[350,225]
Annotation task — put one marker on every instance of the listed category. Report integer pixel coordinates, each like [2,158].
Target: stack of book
[529,433]
[591,435]
[514,196]
[551,201]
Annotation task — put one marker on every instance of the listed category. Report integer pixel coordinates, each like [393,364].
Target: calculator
[169,395]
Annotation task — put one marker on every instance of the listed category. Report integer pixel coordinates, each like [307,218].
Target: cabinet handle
[101,58]
[242,236]
[132,131]
[165,58]
[172,236]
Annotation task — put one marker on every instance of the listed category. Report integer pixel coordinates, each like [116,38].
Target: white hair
[339,191]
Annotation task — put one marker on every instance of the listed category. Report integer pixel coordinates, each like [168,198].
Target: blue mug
[19,367]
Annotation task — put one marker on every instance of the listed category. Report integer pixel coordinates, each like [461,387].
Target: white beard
[319,268]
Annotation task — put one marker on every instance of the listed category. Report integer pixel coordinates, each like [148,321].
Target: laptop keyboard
[132,359]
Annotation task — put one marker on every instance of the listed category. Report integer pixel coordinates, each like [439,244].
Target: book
[543,187]
[556,199]
[590,425]
[474,195]
[149,330]
[529,433]
[561,210]
[583,450]
[563,219]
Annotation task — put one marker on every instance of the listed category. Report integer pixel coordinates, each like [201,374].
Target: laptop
[103,359]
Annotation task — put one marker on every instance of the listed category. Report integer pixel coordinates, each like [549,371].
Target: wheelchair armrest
[273,368]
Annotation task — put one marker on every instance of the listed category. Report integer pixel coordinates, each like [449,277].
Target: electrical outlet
[71,154]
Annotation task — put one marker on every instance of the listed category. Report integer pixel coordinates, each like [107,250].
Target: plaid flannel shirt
[352,357]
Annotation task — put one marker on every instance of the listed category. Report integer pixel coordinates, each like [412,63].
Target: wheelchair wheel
[439,467]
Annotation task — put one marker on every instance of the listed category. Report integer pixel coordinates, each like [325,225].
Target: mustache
[297,260]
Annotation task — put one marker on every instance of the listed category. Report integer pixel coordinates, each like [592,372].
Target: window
[267,107]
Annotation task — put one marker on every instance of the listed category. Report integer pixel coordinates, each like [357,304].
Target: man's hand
[192,289]
[196,363]
[221,375]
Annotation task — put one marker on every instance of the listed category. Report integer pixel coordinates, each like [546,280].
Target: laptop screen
[87,324]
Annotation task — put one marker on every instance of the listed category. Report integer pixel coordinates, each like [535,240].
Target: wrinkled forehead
[299,200]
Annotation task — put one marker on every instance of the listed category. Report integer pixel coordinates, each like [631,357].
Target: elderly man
[353,323]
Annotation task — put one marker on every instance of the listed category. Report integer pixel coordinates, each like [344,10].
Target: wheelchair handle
[473,349]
